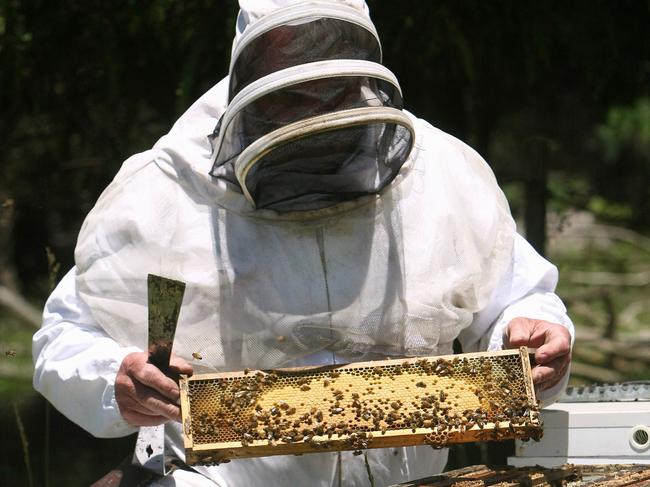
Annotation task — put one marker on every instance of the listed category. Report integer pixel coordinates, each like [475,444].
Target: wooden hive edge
[221,452]
[354,365]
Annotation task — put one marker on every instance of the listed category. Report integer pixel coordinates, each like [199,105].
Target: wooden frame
[389,403]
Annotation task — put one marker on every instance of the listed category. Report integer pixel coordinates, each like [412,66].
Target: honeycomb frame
[437,401]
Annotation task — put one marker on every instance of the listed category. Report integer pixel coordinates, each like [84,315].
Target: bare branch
[609,278]
[19,305]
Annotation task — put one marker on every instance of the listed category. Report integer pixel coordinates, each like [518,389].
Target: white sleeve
[527,289]
[76,363]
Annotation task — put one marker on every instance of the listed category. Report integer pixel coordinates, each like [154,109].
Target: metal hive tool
[433,400]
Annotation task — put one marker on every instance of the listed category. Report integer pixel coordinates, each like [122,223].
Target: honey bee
[197,355]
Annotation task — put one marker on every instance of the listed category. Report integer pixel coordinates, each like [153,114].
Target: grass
[70,456]
[15,356]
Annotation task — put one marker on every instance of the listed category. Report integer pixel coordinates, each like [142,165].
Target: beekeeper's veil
[311,120]
[313,117]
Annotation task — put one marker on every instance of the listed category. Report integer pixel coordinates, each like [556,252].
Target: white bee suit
[158,216]
[434,256]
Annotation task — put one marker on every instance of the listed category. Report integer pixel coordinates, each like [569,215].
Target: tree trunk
[7,269]
[535,181]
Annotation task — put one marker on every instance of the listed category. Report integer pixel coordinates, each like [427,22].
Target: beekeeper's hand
[553,343]
[146,396]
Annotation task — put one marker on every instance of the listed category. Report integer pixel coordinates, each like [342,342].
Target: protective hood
[398,274]
[313,117]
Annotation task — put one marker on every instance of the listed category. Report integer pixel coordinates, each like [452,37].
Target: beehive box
[431,400]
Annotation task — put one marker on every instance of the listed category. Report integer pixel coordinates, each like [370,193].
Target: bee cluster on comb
[432,400]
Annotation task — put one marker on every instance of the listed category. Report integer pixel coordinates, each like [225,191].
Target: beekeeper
[314,221]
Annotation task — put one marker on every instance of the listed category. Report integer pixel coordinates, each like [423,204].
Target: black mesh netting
[292,45]
[297,102]
[330,167]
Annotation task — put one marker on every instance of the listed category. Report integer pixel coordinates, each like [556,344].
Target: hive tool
[165,297]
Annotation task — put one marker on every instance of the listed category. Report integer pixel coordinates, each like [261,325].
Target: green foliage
[568,191]
[627,127]
[607,210]
[621,148]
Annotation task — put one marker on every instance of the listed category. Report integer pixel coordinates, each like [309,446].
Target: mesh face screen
[436,401]
[290,45]
[298,102]
[326,168]
[307,65]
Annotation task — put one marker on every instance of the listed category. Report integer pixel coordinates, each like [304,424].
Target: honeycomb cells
[434,400]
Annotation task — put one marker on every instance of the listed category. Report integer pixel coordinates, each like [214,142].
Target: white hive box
[588,433]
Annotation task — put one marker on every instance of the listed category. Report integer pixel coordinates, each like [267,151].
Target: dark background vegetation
[555,95]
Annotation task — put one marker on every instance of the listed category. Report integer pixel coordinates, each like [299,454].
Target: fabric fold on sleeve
[76,362]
